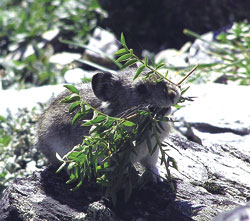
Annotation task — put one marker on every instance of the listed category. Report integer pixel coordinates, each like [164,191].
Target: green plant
[232,48]
[18,155]
[35,69]
[25,51]
[104,155]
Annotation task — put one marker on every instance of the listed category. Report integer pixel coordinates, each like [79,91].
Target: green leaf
[5,140]
[59,157]
[73,169]
[143,112]
[166,73]
[109,122]
[161,65]
[174,163]
[146,61]
[2,118]
[74,97]
[123,42]
[74,106]
[72,88]
[78,116]
[184,90]
[124,57]
[72,178]
[106,165]
[78,157]
[79,184]
[149,74]
[85,107]
[128,123]
[71,98]
[139,71]
[121,52]
[94,130]
[130,62]
[96,120]
[61,167]
[177,106]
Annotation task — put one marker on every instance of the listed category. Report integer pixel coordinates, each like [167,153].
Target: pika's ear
[104,86]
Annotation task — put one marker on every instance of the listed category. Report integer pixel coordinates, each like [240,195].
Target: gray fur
[113,95]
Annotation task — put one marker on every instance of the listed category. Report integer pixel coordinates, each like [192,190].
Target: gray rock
[44,196]
[220,114]
[13,99]
[200,51]
[101,48]
[172,57]
[75,76]
[64,58]
[241,213]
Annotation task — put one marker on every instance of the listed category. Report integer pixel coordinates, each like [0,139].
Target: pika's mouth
[160,111]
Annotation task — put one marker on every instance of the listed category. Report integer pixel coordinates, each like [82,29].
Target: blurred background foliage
[18,155]
[30,32]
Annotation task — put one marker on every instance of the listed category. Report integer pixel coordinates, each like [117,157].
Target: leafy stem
[85,107]
[127,55]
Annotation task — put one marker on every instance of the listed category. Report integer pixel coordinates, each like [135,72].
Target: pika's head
[119,92]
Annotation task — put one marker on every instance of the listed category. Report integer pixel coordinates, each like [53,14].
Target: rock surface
[101,48]
[12,100]
[220,114]
[240,213]
[210,180]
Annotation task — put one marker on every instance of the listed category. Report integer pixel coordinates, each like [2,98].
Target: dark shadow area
[151,202]
[155,25]
[55,187]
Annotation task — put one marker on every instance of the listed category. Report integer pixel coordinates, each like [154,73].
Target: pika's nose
[173,95]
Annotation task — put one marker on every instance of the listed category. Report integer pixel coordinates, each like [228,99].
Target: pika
[111,94]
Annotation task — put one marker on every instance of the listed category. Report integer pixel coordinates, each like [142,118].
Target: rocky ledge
[210,180]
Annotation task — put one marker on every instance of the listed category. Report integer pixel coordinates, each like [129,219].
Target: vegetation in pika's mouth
[113,140]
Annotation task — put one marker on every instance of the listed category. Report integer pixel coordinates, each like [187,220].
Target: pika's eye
[142,89]
[163,87]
